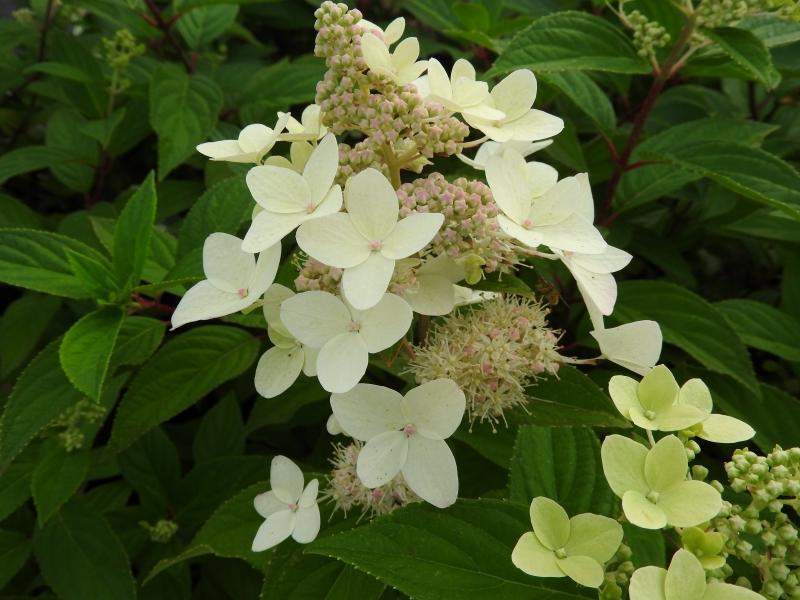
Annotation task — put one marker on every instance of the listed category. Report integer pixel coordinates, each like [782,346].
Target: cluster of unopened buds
[374,251]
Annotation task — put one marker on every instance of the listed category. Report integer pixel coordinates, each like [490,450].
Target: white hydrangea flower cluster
[390,253]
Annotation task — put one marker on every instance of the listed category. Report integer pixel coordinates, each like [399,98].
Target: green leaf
[30,158]
[138,338]
[132,234]
[586,95]
[766,224]
[85,350]
[209,484]
[229,533]
[764,327]
[220,433]
[64,134]
[647,546]
[95,274]
[22,326]
[41,394]
[57,476]
[570,398]
[183,111]
[747,51]
[292,83]
[690,323]
[562,463]
[654,181]
[184,370]
[748,171]
[59,69]
[223,207]
[201,26]
[153,469]
[38,260]
[570,41]
[15,485]
[771,29]
[15,548]
[14,213]
[293,575]
[80,556]
[460,553]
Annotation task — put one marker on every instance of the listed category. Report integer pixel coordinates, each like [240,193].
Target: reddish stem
[166,27]
[147,304]
[661,77]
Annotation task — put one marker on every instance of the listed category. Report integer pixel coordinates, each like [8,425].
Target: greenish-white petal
[623,464]
[678,417]
[550,522]
[647,583]
[690,503]
[595,536]
[642,512]
[686,578]
[583,570]
[696,393]
[531,557]
[727,591]
[725,430]
[658,389]
[622,390]
[666,464]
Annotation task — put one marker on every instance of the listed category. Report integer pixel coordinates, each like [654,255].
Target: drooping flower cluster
[373,251]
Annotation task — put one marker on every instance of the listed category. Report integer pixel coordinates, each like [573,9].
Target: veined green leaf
[183,110]
[747,51]
[81,557]
[762,326]
[690,323]
[570,41]
[180,373]
[586,95]
[85,350]
[460,553]
[38,260]
[748,171]
[41,394]
[562,463]
[132,234]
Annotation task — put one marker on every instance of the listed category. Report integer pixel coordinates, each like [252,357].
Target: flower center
[410,429]
[561,553]
[375,245]
[527,223]
[354,326]
[293,507]
[653,496]
[650,414]
[310,207]
[242,292]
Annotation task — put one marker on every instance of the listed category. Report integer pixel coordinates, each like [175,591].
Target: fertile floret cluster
[493,352]
[348,493]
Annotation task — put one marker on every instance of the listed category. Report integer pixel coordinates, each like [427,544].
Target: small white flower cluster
[357,227]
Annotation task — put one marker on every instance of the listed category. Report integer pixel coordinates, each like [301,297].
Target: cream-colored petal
[386,323]
[381,458]
[342,362]
[315,317]
[430,471]
[334,241]
[533,558]
[436,408]
[368,410]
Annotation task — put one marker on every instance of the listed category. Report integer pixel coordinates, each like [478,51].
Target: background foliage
[129,455]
